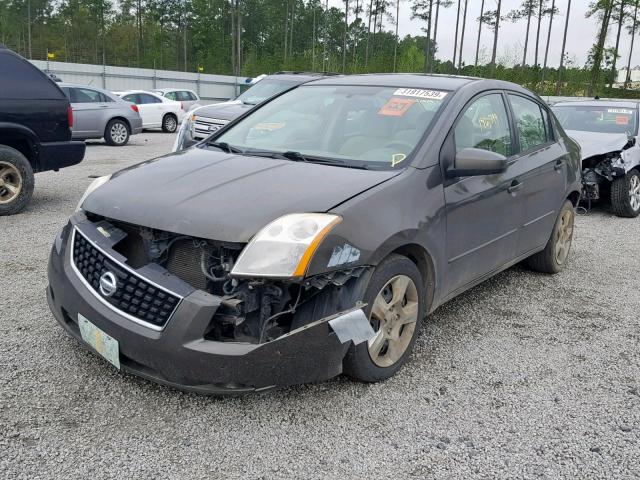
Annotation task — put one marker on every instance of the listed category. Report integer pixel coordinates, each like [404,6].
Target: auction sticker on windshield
[421,93]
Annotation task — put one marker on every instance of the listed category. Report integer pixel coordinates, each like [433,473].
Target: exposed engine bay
[251,310]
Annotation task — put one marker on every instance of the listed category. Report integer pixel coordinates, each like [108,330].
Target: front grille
[134,296]
[203,127]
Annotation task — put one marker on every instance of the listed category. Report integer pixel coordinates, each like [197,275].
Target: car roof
[297,76]
[598,103]
[407,80]
[167,90]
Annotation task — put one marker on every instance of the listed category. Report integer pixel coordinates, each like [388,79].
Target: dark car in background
[203,121]
[35,130]
[312,236]
[98,113]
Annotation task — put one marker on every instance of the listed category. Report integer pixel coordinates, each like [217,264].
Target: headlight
[93,186]
[284,247]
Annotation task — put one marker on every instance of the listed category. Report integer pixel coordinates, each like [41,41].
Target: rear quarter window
[22,80]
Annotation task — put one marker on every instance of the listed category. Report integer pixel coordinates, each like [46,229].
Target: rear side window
[485,125]
[133,98]
[145,98]
[20,79]
[184,96]
[531,125]
[171,95]
[192,96]
[86,95]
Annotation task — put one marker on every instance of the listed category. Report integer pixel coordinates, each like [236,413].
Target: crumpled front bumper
[180,356]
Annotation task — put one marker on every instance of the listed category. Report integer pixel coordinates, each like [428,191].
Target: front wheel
[395,300]
[625,195]
[554,256]
[169,123]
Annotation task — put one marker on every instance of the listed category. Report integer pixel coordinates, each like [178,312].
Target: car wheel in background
[625,195]
[554,256]
[16,181]
[395,299]
[117,133]
[169,123]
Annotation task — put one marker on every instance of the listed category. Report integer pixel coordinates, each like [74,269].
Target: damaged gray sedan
[607,132]
[312,236]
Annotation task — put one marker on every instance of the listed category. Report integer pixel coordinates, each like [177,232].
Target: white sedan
[155,110]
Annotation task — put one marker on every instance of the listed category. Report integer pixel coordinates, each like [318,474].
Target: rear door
[150,109]
[542,162]
[483,212]
[88,112]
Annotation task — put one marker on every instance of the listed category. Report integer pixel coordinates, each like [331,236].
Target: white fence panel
[211,88]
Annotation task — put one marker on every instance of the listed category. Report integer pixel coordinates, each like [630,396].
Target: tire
[169,123]
[554,257]
[359,363]
[625,195]
[16,181]
[116,133]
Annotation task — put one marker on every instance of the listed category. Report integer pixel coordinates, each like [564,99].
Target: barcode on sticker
[622,111]
[421,93]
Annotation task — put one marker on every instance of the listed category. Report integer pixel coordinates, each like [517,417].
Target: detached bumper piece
[56,155]
[178,354]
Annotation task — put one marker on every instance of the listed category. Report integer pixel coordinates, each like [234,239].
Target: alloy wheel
[634,192]
[118,133]
[10,182]
[393,318]
[564,235]
[170,124]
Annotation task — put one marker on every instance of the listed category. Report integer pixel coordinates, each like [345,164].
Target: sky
[580,38]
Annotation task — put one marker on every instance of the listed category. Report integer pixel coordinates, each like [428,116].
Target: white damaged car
[607,132]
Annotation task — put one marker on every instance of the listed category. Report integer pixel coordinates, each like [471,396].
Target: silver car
[98,113]
[188,98]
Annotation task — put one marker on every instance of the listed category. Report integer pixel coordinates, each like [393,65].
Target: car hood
[223,111]
[226,197]
[592,144]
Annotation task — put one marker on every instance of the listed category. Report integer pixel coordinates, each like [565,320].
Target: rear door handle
[515,186]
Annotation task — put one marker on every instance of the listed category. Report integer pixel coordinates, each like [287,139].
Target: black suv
[35,130]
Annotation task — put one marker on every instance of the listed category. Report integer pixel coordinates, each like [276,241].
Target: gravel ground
[525,376]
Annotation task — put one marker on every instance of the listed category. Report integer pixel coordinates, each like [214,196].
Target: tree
[464,24]
[475,64]
[603,10]
[546,50]
[564,45]
[621,15]
[527,9]
[632,29]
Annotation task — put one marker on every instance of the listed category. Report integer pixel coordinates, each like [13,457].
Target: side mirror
[475,161]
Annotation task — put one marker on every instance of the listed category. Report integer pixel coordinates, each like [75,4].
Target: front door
[87,105]
[544,172]
[483,211]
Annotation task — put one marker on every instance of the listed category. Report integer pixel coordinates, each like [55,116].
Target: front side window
[374,126]
[485,125]
[530,122]
[598,118]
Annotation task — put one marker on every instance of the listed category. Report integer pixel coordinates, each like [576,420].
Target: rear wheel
[395,300]
[625,195]
[117,133]
[169,123]
[16,181]
[554,256]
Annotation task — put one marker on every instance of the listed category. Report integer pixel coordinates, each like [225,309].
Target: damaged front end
[206,330]
[600,170]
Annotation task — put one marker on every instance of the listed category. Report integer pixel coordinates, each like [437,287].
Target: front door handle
[558,166]
[515,186]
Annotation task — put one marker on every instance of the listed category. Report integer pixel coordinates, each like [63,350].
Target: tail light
[70,116]
[134,107]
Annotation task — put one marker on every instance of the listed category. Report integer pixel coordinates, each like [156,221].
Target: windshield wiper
[299,157]
[225,147]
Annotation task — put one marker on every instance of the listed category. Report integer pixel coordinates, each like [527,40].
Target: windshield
[599,119]
[265,89]
[374,126]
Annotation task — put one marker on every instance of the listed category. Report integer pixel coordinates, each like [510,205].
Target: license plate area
[101,342]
